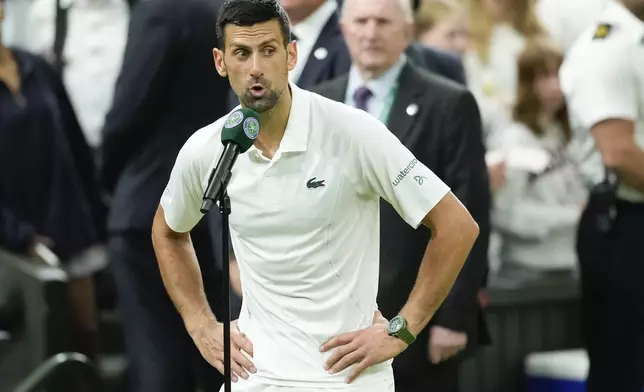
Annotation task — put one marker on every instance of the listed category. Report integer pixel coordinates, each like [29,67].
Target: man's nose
[256,70]
[371,29]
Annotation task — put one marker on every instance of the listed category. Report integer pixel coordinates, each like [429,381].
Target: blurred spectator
[499,29]
[93,42]
[167,89]
[603,81]
[439,122]
[320,45]
[443,24]
[566,20]
[47,181]
[538,208]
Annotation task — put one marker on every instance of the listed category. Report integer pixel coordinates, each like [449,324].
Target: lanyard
[389,102]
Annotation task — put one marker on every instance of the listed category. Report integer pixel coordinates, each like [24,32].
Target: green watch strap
[406,336]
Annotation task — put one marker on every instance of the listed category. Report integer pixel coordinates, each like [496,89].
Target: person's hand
[445,343]
[364,348]
[496,173]
[209,339]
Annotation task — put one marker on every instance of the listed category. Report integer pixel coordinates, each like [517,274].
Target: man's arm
[180,272]
[616,142]
[453,235]
[145,70]
[464,171]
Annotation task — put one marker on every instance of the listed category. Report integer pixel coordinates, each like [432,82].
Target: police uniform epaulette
[602,31]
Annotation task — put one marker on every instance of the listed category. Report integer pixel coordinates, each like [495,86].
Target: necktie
[362,96]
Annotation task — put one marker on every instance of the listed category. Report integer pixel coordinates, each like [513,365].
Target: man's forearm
[630,169]
[445,255]
[182,277]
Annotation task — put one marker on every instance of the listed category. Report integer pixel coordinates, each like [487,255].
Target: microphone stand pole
[224,211]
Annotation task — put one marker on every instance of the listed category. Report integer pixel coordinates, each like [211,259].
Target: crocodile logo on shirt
[312,184]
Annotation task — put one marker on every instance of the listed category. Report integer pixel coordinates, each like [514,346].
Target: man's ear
[218,55]
[291,50]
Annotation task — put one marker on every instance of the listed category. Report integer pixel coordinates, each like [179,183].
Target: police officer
[603,80]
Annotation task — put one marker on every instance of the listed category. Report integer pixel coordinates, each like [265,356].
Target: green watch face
[396,325]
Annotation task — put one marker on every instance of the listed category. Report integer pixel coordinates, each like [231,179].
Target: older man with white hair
[439,122]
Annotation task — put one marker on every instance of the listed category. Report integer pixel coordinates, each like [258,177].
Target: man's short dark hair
[251,12]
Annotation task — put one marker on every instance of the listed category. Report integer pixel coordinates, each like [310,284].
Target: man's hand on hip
[364,348]
[209,339]
[445,343]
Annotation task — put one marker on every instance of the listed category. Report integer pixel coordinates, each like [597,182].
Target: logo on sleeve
[312,184]
[420,179]
[251,127]
[403,173]
[602,31]
[234,119]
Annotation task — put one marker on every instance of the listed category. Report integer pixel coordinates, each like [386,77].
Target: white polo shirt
[602,78]
[305,230]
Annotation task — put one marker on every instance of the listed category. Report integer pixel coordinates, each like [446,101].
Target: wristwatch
[398,328]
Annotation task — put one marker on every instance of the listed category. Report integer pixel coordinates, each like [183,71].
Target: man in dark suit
[168,88]
[439,121]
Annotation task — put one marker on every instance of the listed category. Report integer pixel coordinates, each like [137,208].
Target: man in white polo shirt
[603,80]
[304,226]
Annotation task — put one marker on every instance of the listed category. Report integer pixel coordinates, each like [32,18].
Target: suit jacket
[167,89]
[445,134]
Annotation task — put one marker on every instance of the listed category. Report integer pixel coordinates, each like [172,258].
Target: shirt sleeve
[182,197]
[603,89]
[392,172]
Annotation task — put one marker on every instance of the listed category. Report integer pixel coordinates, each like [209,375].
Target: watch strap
[406,336]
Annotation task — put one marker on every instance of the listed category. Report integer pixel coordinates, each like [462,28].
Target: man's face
[256,63]
[376,33]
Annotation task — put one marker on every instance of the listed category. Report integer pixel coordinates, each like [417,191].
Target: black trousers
[612,284]
[433,378]
[162,356]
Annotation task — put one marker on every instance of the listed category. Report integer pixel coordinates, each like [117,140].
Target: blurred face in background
[299,10]
[548,90]
[450,33]
[499,10]
[377,32]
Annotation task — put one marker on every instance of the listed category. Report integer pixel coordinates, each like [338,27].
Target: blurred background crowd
[97,97]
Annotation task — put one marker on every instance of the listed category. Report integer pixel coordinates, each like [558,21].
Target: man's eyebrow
[245,46]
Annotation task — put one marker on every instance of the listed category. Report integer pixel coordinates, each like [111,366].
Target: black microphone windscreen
[241,128]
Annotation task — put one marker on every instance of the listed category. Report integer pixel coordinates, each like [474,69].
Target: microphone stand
[224,211]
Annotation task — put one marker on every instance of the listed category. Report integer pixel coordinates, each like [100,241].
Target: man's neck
[274,124]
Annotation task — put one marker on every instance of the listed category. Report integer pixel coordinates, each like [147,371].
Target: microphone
[237,136]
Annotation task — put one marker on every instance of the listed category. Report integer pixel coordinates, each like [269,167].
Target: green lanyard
[389,102]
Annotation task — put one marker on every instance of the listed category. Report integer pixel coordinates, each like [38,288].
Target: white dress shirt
[602,78]
[381,88]
[93,53]
[565,20]
[307,33]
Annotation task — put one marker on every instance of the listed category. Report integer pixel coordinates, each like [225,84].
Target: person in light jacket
[538,208]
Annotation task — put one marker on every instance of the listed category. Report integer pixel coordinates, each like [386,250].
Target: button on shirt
[603,78]
[305,230]
[380,88]
[307,33]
